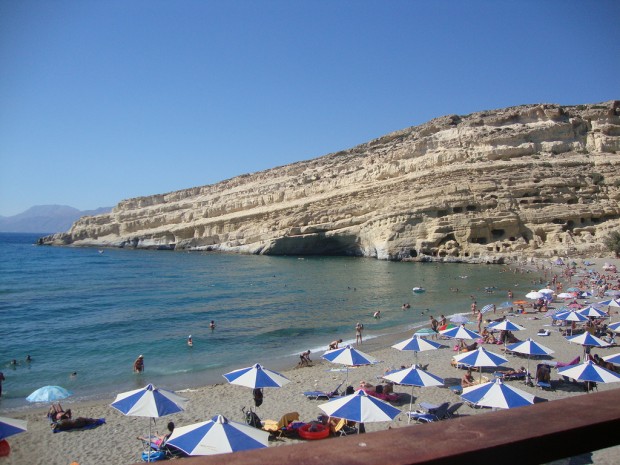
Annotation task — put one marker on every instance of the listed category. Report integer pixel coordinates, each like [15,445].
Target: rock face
[494,186]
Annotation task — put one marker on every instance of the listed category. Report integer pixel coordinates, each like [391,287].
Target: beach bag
[252,419]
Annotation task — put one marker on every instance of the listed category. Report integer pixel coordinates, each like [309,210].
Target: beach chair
[451,412]
[316,395]
[280,428]
[436,413]
[457,389]
[343,429]
[153,451]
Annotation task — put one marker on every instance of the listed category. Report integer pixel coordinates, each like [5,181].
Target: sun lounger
[392,397]
[280,428]
[433,413]
[316,395]
[521,375]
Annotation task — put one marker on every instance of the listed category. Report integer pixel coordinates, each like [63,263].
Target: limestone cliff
[533,180]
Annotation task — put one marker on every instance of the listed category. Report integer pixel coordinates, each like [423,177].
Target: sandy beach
[115,442]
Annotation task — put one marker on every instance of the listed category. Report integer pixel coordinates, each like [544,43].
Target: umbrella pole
[410,406]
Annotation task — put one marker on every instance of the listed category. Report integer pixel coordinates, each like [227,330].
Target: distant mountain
[46,219]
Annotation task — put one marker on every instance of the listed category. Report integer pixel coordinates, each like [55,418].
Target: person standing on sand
[479,318]
[138,365]
[358,332]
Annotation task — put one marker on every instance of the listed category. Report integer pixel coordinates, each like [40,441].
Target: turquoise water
[78,310]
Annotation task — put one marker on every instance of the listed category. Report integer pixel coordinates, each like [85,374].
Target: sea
[83,315]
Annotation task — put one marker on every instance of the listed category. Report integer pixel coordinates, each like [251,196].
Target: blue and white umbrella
[49,394]
[614,327]
[414,376]
[496,394]
[10,426]
[149,401]
[570,316]
[612,293]
[592,311]
[587,339]
[487,308]
[217,436]
[417,344]
[613,358]
[460,332]
[506,325]
[506,304]
[349,356]
[589,371]
[360,407]
[610,302]
[480,358]
[529,347]
[585,294]
[256,376]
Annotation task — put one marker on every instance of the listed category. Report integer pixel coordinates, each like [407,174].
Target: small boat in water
[418,290]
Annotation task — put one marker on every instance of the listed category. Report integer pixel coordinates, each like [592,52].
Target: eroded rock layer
[493,186]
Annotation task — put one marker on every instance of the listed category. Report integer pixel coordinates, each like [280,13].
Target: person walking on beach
[479,318]
[138,365]
[358,332]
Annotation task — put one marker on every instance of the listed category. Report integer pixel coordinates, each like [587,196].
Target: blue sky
[106,100]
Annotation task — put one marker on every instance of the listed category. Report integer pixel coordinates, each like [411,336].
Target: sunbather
[160,439]
[57,413]
[80,422]
[467,379]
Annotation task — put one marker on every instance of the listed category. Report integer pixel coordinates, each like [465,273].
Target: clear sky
[106,100]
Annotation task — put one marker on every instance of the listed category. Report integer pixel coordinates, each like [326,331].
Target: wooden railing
[527,435]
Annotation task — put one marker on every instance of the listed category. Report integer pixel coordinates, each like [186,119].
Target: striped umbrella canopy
[585,294]
[487,308]
[612,293]
[360,407]
[10,426]
[506,325]
[217,436]
[414,376]
[480,358]
[460,332]
[570,316]
[417,344]
[587,339]
[529,347]
[256,376]
[589,371]
[615,327]
[350,357]
[613,358]
[611,302]
[592,311]
[496,394]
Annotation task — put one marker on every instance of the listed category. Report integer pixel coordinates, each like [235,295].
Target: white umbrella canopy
[360,407]
[414,376]
[534,295]
[496,394]
[11,426]
[589,371]
[217,436]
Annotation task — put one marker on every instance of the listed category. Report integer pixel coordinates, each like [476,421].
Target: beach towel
[73,425]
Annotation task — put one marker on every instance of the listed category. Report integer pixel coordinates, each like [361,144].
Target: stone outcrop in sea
[493,186]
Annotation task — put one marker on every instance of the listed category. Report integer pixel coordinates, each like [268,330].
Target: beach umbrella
[256,377]
[217,436]
[506,304]
[585,294]
[570,316]
[417,344]
[414,376]
[149,401]
[480,358]
[613,293]
[613,358]
[611,303]
[566,295]
[497,394]
[590,372]
[360,407]
[592,311]
[49,394]
[505,325]
[614,327]
[425,332]
[534,295]
[529,347]
[460,332]
[586,339]
[459,319]
[350,357]
[487,308]
[10,426]
[546,291]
